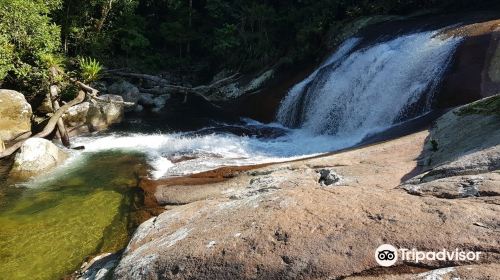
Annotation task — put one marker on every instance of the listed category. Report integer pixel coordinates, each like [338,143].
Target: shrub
[90,69]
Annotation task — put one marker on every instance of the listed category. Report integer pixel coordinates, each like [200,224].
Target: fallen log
[124,103]
[92,94]
[165,86]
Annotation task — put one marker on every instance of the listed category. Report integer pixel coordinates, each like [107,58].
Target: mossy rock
[486,106]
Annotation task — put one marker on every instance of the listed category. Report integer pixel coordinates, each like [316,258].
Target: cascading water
[355,92]
[359,92]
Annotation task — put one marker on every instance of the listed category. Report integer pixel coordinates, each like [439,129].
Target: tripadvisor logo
[387,255]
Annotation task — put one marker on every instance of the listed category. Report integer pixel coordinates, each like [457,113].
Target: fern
[90,69]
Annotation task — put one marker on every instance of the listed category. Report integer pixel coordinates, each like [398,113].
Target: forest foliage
[174,35]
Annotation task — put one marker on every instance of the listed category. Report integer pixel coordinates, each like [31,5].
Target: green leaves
[90,69]
[27,36]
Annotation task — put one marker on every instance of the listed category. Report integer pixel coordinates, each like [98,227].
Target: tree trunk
[106,9]
[63,133]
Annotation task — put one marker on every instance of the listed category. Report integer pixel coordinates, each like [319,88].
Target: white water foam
[353,94]
[207,152]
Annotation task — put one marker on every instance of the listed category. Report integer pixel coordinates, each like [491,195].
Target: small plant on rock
[434,145]
[90,69]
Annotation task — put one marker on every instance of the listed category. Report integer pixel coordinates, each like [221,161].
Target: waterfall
[356,92]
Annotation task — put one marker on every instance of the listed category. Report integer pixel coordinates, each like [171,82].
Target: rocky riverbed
[324,217]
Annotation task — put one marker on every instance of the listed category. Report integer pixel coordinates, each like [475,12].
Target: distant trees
[152,35]
[28,39]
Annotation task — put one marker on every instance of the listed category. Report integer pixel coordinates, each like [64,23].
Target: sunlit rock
[36,155]
[15,114]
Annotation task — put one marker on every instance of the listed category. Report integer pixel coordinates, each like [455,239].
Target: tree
[27,38]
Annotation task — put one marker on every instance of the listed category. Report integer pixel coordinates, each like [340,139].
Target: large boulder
[15,114]
[464,131]
[77,115]
[102,114]
[461,157]
[128,91]
[95,115]
[36,155]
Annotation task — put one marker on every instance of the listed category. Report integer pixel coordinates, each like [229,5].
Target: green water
[49,227]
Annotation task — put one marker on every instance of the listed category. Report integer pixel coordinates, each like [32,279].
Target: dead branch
[165,86]
[22,136]
[92,94]
[124,103]
[61,128]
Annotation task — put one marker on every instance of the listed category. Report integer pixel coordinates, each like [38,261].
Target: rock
[77,115]
[279,222]
[479,162]
[328,177]
[36,156]
[138,108]
[484,271]
[146,100]
[462,153]
[153,103]
[461,132]
[473,73]
[103,114]
[15,114]
[2,146]
[128,91]
[159,102]
[94,116]
[99,268]
[100,86]
[45,107]
[487,184]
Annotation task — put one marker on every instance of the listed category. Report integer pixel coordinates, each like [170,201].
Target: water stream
[52,223]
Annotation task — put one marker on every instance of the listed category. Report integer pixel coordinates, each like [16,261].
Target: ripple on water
[48,230]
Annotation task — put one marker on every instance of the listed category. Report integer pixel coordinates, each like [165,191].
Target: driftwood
[126,104]
[53,96]
[92,94]
[56,119]
[165,87]
[61,128]
[22,136]
[51,125]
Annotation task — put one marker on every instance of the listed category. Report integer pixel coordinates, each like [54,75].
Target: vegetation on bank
[201,36]
[486,106]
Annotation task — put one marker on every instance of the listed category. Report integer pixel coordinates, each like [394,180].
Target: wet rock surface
[279,222]
[99,268]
